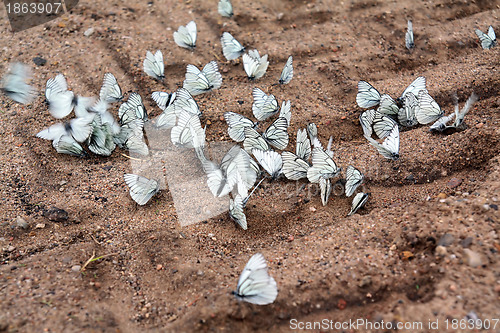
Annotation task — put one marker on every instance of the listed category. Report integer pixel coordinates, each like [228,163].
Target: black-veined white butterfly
[286,111]
[428,110]
[287,73]
[184,102]
[255,285]
[198,82]
[325,187]
[236,212]
[225,8]
[14,84]
[270,161]
[294,167]
[414,88]
[101,107]
[77,128]
[441,124]
[487,40]
[354,178]
[322,166]
[142,189]
[132,109]
[254,65]
[388,105]
[110,89]
[390,146]
[264,106]
[406,115]
[188,132]
[61,101]
[101,141]
[131,137]
[154,66]
[186,36]
[410,44]
[67,145]
[168,118]
[237,124]
[372,120]
[358,202]
[276,135]
[253,139]
[231,48]
[303,148]
[367,95]
[460,115]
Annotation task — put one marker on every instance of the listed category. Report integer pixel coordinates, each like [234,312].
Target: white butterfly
[110,89]
[312,130]
[322,166]
[442,123]
[354,178]
[14,84]
[198,82]
[414,88]
[287,73]
[231,48]
[373,120]
[285,111]
[236,212]
[303,148]
[186,36]
[131,137]
[325,188]
[428,110]
[67,145]
[409,37]
[61,101]
[254,65]
[460,115]
[154,66]
[388,105]
[358,202]
[264,106]
[276,135]
[101,107]
[100,141]
[390,147]
[270,160]
[184,102]
[236,125]
[406,115]
[77,128]
[142,189]
[132,109]
[487,40]
[225,9]
[255,285]
[294,167]
[367,95]
[168,118]
[188,132]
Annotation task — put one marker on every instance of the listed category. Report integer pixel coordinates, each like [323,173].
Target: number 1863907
[34,8]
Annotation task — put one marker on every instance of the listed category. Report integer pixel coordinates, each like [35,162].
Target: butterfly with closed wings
[14,84]
[186,36]
[287,73]
[231,48]
[487,40]
[154,66]
[198,82]
[254,65]
[142,189]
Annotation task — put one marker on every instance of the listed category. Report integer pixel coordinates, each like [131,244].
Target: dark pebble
[56,214]
[39,61]
[241,102]
[495,207]
[410,178]
[454,182]
[466,242]
[446,240]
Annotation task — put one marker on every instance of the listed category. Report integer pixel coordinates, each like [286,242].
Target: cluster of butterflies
[488,40]
[414,106]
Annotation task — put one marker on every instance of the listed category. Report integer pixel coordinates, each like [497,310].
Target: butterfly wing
[428,110]
[225,8]
[303,149]
[231,48]
[358,202]
[236,211]
[142,189]
[264,106]
[325,189]
[354,178]
[255,285]
[367,95]
[270,160]
[294,167]
[110,89]
[277,134]
[322,166]
[153,65]
[237,124]
[409,36]
[287,73]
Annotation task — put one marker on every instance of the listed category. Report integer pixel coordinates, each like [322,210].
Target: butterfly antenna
[253,190]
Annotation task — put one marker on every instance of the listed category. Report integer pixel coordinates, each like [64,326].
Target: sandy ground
[383,264]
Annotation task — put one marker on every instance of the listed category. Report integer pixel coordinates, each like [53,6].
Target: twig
[132,158]
[88,262]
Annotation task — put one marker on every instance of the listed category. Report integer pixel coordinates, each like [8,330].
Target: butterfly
[287,73]
[255,285]
[358,202]
[367,95]
[142,189]
[237,124]
[198,82]
[254,65]
[101,141]
[225,9]
[285,111]
[14,84]
[231,48]
[67,145]
[414,88]
[132,109]
[406,115]
[131,137]
[276,135]
[270,160]
[409,37]
[295,166]
[110,89]
[441,125]
[428,110]
[188,132]
[325,187]
[61,101]
[372,120]
[487,40]
[168,118]
[186,36]
[390,146]
[77,128]
[154,66]
[354,178]
[184,102]
[236,212]
[264,106]
[388,105]
[322,166]
[101,108]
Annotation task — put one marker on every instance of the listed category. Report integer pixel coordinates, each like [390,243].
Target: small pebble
[466,242]
[446,240]
[159,267]
[312,209]
[442,195]
[21,223]
[441,251]
[365,281]
[473,258]
[56,214]
[40,226]
[76,268]
[454,182]
[39,61]
[88,32]
[11,249]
